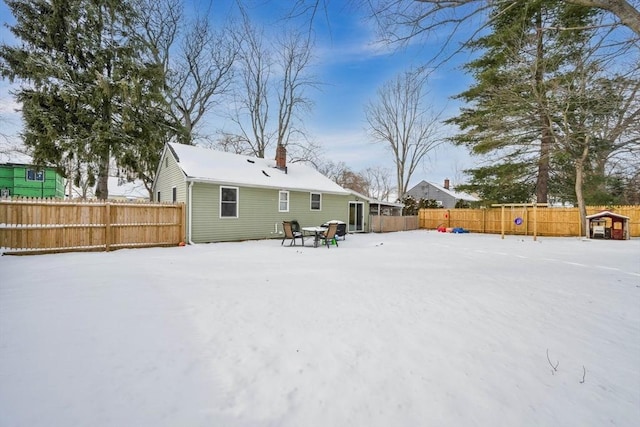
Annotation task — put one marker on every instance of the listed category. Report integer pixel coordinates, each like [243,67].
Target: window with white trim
[174,194]
[35,175]
[229,202]
[283,201]
[316,201]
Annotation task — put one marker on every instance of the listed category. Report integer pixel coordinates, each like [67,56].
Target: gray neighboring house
[443,195]
[231,197]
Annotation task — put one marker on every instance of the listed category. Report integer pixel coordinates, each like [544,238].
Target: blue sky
[351,66]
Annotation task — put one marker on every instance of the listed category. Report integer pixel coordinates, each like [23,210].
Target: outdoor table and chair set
[327,233]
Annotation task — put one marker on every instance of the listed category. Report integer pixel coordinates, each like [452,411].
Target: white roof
[125,189]
[207,165]
[606,213]
[9,154]
[456,194]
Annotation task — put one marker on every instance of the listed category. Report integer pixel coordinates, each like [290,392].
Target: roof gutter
[273,187]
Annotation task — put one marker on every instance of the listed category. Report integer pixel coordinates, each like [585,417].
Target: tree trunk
[624,10]
[579,189]
[546,138]
[102,184]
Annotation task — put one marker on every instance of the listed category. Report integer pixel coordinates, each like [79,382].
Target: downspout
[190,211]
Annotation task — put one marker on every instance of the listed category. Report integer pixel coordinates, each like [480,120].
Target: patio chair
[341,230]
[290,234]
[330,235]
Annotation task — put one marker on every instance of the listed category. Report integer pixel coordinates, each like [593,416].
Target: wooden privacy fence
[384,224]
[30,226]
[548,221]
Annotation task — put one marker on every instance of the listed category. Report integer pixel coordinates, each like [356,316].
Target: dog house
[607,225]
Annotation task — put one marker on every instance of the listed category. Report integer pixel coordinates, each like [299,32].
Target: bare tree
[597,119]
[342,175]
[255,64]
[294,53]
[400,119]
[197,60]
[401,21]
[379,179]
[273,74]
[623,10]
[230,143]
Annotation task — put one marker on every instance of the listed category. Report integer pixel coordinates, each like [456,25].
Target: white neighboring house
[442,194]
[120,190]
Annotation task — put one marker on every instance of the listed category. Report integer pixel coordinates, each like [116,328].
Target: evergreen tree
[88,94]
[509,116]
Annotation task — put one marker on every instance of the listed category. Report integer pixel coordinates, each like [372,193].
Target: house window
[35,175]
[316,201]
[283,201]
[158,196]
[174,194]
[166,162]
[228,202]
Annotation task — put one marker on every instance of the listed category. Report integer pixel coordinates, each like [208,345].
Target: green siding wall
[14,178]
[170,175]
[258,217]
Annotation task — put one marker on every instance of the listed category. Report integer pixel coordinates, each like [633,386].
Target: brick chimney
[281,157]
[446,183]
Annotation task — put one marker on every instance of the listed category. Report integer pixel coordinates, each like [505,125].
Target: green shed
[24,180]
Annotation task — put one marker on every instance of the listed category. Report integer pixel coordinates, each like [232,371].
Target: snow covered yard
[405,329]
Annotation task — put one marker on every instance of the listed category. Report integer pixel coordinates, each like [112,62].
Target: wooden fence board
[549,221]
[30,226]
[385,224]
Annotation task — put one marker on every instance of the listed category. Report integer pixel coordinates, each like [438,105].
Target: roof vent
[266,174]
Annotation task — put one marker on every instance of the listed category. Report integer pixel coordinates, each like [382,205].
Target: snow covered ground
[403,329]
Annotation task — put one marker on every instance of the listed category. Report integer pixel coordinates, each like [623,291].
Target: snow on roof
[12,156]
[606,214]
[206,165]
[456,194]
[125,189]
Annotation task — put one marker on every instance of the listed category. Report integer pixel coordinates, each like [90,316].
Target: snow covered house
[442,194]
[130,191]
[232,197]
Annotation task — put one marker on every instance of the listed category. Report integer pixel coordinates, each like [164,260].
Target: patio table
[316,233]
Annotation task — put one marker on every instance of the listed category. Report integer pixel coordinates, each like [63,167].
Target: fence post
[535,222]
[107,227]
[183,218]
[484,220]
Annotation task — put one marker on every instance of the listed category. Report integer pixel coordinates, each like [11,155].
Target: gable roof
[219,167]
[459,195]
[606,214]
